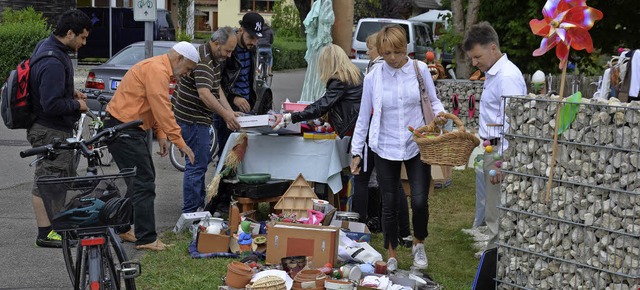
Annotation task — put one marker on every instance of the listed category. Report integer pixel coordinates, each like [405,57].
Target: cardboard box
[211,243]
[187,219]
[441,175]
[356,231]
[262,124]
[249,121]
[440,178]
[286,239]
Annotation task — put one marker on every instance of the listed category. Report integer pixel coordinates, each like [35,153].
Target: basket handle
[455,119]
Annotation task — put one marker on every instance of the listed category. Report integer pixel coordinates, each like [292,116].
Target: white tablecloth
[284,157]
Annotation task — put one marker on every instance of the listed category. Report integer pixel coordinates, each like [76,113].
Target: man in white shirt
[503,78]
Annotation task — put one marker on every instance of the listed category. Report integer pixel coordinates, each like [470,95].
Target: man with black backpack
[56,106]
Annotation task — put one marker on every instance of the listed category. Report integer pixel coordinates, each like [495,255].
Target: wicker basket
[268,283]
[440,147]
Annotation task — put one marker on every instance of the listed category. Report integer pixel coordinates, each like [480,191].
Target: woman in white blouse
[391,91]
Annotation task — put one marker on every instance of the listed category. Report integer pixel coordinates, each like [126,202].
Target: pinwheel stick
[555,135]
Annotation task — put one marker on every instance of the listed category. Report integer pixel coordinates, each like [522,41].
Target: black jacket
[231,71]
[341,100]
[51,88]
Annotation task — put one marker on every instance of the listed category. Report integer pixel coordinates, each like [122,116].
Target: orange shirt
[143,94]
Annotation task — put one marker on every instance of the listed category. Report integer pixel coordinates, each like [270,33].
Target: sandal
[455,104]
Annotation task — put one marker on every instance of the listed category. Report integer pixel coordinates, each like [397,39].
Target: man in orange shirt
[144,94]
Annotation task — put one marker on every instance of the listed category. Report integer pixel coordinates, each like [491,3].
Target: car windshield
[368,28]
[134,54]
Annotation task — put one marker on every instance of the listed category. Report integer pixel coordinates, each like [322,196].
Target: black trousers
[419,175]
[363,200]
[129,152]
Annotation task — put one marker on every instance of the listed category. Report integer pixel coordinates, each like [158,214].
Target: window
[257,5]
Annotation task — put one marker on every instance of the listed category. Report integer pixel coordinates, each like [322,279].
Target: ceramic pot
[238,274]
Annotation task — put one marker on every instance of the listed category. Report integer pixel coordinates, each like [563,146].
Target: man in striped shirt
[198,97]
[238,75]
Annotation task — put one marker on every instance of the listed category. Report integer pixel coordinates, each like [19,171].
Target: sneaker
[406,242]
[53,240]
[128,236]
[420,260]
[157,245]
[392,264]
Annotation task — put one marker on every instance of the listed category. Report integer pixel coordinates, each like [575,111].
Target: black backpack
[16,104]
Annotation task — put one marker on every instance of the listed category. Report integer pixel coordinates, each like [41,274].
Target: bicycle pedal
[130,269]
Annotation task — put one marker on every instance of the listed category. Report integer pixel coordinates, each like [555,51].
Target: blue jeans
[419,175]
[223,132]
[197,138]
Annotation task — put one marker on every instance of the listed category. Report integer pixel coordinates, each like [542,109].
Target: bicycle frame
[94,265]
[93,254]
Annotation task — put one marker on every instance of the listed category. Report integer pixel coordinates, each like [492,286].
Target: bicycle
[86,209]
[264,73]
[89,125]
[178,159]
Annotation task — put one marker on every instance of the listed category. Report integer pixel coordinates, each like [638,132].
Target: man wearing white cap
[143,94]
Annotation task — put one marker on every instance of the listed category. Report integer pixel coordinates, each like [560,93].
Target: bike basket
[440,147]
[87,201]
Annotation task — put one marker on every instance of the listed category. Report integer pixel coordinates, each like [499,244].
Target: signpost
[146,10]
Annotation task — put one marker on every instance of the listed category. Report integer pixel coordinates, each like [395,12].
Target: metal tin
[347,216]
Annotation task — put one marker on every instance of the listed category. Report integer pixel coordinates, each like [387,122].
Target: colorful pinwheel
[565,25]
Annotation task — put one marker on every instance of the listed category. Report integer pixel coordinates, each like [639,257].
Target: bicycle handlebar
[83,144]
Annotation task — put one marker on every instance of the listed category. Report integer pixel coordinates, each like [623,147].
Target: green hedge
[290,55]
[17,41]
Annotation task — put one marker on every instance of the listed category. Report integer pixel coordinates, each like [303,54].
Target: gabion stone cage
[587,235]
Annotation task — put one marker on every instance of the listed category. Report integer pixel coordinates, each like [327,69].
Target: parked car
[419,38]
[107,76]
[125,30]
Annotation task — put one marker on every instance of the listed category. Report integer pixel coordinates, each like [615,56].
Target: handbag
[427,110]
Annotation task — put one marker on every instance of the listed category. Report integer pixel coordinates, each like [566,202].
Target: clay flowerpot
[309,279]
[238,274]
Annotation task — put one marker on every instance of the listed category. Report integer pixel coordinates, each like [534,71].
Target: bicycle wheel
[176,157]
[127,270]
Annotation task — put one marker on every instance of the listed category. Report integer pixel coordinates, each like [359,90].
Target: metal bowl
[254,178]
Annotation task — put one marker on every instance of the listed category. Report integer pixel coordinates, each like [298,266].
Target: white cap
[538,77]
[187,50]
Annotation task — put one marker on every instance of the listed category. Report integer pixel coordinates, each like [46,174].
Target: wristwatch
[356,155]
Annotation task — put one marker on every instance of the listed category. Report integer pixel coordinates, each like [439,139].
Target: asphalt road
[25,266]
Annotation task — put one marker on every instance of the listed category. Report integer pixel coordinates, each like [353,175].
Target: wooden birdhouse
[298,198]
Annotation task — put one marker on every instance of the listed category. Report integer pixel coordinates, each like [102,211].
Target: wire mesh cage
[87,201]
[583,233]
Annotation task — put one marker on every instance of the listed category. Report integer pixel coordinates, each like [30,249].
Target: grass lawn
[451,260]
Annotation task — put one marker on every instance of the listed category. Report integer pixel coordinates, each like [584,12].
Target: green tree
[400,9]
[510,18]
[286,20]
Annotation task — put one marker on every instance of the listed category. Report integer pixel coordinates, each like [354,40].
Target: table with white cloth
[286,156]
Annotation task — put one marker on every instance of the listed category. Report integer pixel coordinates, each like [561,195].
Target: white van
[419,41]
[436,19]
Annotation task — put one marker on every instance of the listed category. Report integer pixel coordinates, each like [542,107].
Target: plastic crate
[294,107]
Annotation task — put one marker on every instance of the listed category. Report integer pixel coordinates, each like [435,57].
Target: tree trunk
[461,24]
[304,6]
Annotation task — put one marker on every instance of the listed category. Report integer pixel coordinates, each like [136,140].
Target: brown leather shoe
[157,245]
[128,236]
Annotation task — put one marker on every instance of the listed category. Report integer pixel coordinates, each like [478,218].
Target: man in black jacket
[57,106]
[238,75]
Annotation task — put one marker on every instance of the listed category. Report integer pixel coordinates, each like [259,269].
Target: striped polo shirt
[188,107]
